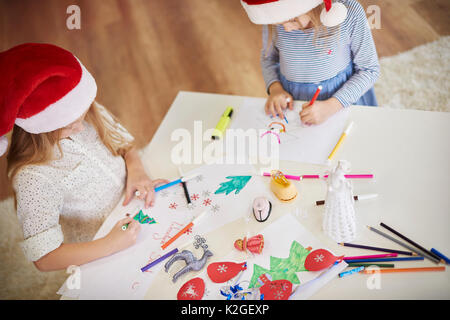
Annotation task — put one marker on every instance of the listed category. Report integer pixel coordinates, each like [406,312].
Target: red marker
[315,96]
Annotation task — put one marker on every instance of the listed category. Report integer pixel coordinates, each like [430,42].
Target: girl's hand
[137,180]
[319,111]
[278,100]
[120,239]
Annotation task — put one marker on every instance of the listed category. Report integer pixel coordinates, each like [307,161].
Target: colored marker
[191,224]
[222,124]
[315,96]
[349,272]
[357,198]
[186,192]
[341,139]
[379,265]
[151,264]
[182,179]
[316,176]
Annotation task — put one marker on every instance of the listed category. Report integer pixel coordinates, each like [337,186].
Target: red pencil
[315,96]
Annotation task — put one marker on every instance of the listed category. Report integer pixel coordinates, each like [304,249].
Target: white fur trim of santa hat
[279,11]
[66,110]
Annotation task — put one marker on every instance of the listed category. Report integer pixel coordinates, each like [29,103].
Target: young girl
[69,159]
[315,43]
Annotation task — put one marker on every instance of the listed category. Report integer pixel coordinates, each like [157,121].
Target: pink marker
[371,256]
[316,176]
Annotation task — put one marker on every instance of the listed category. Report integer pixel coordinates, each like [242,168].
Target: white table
[408,151]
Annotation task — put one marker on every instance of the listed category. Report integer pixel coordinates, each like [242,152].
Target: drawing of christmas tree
[236,183]
[283,268]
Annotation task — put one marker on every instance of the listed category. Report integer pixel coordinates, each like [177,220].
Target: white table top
[408,151]
[409,154]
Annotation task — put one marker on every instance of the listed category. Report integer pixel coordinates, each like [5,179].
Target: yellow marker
[223,124]
[341,139]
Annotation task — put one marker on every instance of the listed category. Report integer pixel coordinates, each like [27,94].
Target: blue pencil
[151,264]
[387,259]
[447,260]
[347,273]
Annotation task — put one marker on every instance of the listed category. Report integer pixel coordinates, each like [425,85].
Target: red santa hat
[42,88]
[278,11]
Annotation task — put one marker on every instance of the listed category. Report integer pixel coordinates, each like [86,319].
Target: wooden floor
[142,52]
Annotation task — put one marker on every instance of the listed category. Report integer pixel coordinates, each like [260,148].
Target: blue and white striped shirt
[311,57]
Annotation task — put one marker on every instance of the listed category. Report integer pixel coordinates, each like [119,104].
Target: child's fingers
[149,198]
[272,109]
[134,226]
[128,195]
[159,182]
[279,110]
[290,102]
[124,221]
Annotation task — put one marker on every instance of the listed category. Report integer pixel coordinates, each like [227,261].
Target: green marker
[223,124]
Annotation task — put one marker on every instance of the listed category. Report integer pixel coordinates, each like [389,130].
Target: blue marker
[347,273]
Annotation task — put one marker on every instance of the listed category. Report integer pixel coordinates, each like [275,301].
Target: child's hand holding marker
[278,101]
[140,185]
[319,111]
[120,238]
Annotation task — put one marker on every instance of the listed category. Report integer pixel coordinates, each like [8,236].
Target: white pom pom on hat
[279,11]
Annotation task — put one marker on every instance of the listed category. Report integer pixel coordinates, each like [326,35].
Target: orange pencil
[405,270]
[175,237]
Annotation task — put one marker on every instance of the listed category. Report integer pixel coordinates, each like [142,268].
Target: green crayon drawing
[236,184]
[283,268]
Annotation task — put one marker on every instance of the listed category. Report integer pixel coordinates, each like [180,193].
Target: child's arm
[278,97]
[80,253]
[138,180]
[365,59]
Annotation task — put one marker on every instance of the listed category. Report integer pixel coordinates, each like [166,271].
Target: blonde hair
[320,31]
[36,149]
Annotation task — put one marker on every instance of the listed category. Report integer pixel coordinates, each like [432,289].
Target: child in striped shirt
[312,43]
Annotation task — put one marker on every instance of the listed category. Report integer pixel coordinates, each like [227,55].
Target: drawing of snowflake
[173,206]
[215,208]
[188,231]
[319,258]
[206,193]
[195,197]
[206,202]
[190,291]
[222,268]
[199,178]
[279,295]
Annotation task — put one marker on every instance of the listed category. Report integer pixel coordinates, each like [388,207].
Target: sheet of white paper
[308,144]
[278,238]
[119,276]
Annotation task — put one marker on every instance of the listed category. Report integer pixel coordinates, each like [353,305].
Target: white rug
[416,79]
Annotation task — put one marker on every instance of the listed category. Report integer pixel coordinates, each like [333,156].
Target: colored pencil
[370,256]
[175,237]
[394,270]
[357,198]
[316,94]
[379,265]
[447,260]
[415,251]
[387,259]
[406,253]
[151,264]
[341,139]
[410,241]
[353,271]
